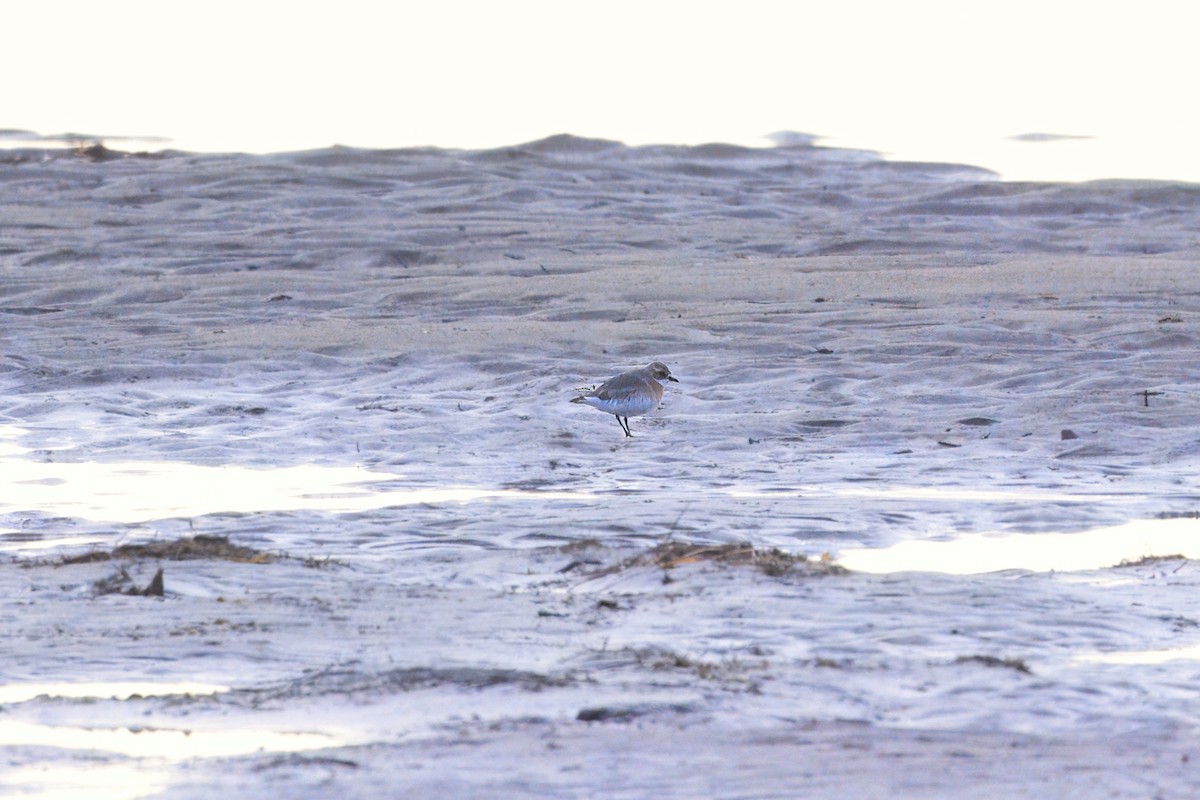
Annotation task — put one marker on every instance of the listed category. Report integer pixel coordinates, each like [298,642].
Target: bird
[629,394]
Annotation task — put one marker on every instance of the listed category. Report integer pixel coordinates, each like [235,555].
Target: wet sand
[358,364]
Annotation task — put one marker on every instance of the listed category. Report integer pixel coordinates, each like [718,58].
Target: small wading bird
[629,394]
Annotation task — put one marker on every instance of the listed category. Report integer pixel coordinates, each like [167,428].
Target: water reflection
[105,779]
[96,781]
[163,742]
[1191,653]
[140,491]
[1039,552]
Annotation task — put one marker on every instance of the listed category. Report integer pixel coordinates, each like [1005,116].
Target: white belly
[625,407]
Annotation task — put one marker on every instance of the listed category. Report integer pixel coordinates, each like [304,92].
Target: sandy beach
[918,520]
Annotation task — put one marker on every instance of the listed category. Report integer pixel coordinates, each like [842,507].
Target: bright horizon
[927,80]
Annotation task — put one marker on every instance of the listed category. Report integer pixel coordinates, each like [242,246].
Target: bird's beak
[672,380]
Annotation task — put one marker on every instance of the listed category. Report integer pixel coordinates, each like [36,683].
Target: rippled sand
[362,360]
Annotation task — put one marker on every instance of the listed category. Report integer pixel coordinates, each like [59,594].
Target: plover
[629,394]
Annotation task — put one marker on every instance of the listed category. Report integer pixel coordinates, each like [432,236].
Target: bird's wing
[618,388]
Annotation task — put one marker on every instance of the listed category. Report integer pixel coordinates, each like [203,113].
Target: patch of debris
[97,153]
[344,681]
[1147,561]
[191,548]
[727,670]
[1015,664]
[773,562]
[628,713]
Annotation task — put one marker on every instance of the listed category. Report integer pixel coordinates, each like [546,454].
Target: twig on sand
[1146,394]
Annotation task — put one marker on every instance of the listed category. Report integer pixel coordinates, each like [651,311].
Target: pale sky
[924,79]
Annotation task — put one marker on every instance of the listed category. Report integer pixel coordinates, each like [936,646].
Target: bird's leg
[624,425]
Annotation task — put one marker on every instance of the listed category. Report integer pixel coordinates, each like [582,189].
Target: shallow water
[979,395]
